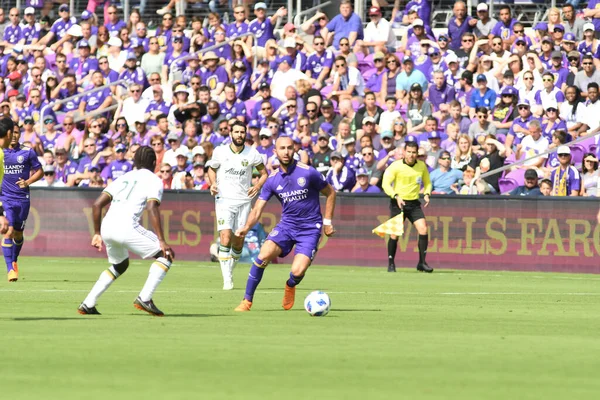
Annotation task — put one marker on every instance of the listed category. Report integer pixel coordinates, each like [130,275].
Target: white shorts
[120,240]
[231,216]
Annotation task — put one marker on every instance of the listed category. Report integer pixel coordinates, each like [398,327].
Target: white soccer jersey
[234,172]
[130,193]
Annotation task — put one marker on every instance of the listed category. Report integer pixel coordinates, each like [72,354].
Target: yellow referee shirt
[405,181]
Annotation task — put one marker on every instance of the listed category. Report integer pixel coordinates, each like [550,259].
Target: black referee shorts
[412,210]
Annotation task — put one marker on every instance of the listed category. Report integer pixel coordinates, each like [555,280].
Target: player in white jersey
[121,231]
[230,180]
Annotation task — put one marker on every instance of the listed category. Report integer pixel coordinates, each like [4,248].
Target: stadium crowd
[483,93]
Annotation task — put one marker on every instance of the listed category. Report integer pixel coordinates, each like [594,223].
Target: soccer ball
[317,304]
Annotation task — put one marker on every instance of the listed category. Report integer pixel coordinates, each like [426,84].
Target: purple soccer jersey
[316,62]
[263,31]
[60,27]
[235,30]
[18,164]
[136,76]
[118,168]
[62,173]
[93,101]
[298,192]
[113,29]
[29,32]
[237,109]
[82,68]
[12,34]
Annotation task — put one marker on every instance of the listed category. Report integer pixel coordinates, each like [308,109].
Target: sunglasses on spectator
[291,106]
[528,78]
[344,44]
[302,126]
[157,144]
[548,80]
[319,43]
[263,137]
[172,140]
[340,65]
[324,139]
[392,61]
[444,158]
[552,110]
[571,59]
[482,116]
[89,145]
[378,60]
[165,171]
[313,110]
[586,63]
[518,32]
[564,155]
[48,173]
[467,40]
[523,108]
[367,154]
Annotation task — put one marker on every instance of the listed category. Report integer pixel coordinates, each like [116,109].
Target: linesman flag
[394,226]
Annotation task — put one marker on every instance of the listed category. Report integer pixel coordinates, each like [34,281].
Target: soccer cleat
[147,306]
[13,275]
[85,310]
[245,305]
[423,267]
[228,285]
[392,267]
[288,297]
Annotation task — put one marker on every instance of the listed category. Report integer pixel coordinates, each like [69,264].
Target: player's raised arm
[330,194]
[102,201]
[154,214]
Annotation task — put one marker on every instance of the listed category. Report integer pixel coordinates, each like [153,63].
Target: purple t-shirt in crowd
[263,31]
[213,78]
[113,29]
[455,32]
[234,30]
[12,34]
[118,168]
[60,27]
[136,76]
[29,33]
[503,30]
[316,62]
[162,106]
[343,27]
[93,101]
[82,68]
[63,173]
[443,95]
[573,182]
[369,189]
[237,109]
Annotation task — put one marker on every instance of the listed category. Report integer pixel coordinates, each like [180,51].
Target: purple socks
[254,278]
[294,280]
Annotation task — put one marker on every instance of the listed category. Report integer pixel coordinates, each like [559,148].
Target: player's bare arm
[252,218]
[102,201]
[4,221]
[36,176]
[254,190]
[212,181]
[154,213]
[329,193]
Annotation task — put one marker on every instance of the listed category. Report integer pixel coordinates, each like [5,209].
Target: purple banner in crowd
[466,232]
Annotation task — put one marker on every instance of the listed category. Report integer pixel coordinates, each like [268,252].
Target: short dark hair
[505,7]
[482,110]
[239,123]
[592,85]
[204,88]
[6,125]
[414,145]
[161,116]
[546,181]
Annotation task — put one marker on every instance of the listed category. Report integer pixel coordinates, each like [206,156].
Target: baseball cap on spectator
[531,174]
[482,7]
[326,104]
[285,59]
[374,11]
[451,58]
[559,26]
[547,39]
[327,128]
[86,15]
[29,11]
[289,42]
[264,86]
[49,118]
[182,151]
[75,31]
[524,102]
[563,150]
[573,53]
[265,132]
[556,54]
[362,172]
[588,26]
[140,118]
[443,36]
[467,76]
[551,104]
[198,164]
[177,39]
[94,167]
[120,147]
[27,119]
[509,74]
[83,43]
[172,136]
[198,150]
[253,124]
[434,135]
[181,89]
[509,90]
[481,78]
[131,55]
[206,119]
[289,27]
[368,119]
[336,154]
[21,97]
[378,56]
[569,37]
[63,7]
[11,93]
[417,22]
[410,138]
[260,5]
[115,41]
[48,169]
[407,59]
[62,150]
[323,135]
[349,140]
[209,55]
[542,26]
[264,61]
[416,87]
[433,51]
[520,39]
[387,134]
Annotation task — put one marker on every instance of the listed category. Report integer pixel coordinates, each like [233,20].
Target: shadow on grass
[47,319]
[356,310]
[57,280]
[181,315]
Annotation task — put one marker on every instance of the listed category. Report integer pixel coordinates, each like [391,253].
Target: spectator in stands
[485,23]
[481,128]
[459,24]
[322,154]
[552,123]
[369,109]
[531,145]
[483,97]
[328,115]
[504,27]
[493,159]
[49,180]
[530,188]
[346,51]
[506,111]
[362,183]
[546,187]
[589,175]
[443,178]
[379,35]
[418,110]
[565,178]
[590,121]
[587,75]
[263,26]
[399,131]
[153,59]
[370,165]
[449,144]
[284,77]
[407,79]
[369,130]
[571,22]
[439,94]
[339,176]
[314,24]
[347,24]
[348,82]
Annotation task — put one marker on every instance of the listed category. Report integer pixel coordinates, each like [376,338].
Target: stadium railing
[63,101]
[297,19]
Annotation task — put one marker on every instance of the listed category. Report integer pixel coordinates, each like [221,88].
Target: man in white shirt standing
[533,144]
[379,35]
[133,106]
[230,179]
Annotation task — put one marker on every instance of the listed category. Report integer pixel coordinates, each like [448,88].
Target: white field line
[330,292]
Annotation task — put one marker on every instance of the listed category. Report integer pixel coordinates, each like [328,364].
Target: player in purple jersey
[297,187]
[7,126]
[21,169]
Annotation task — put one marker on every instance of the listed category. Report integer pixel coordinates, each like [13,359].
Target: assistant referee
[402,182]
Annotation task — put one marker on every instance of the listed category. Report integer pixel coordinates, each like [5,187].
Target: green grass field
[448,335]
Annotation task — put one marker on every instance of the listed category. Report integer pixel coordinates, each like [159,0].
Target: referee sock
[254,277]
[107,277]
[423,241]
[224,261]
[392,245]
[8,250]
[294,280]
[158,270]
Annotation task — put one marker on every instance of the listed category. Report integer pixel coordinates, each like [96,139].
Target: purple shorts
[16,213]
[306,240]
